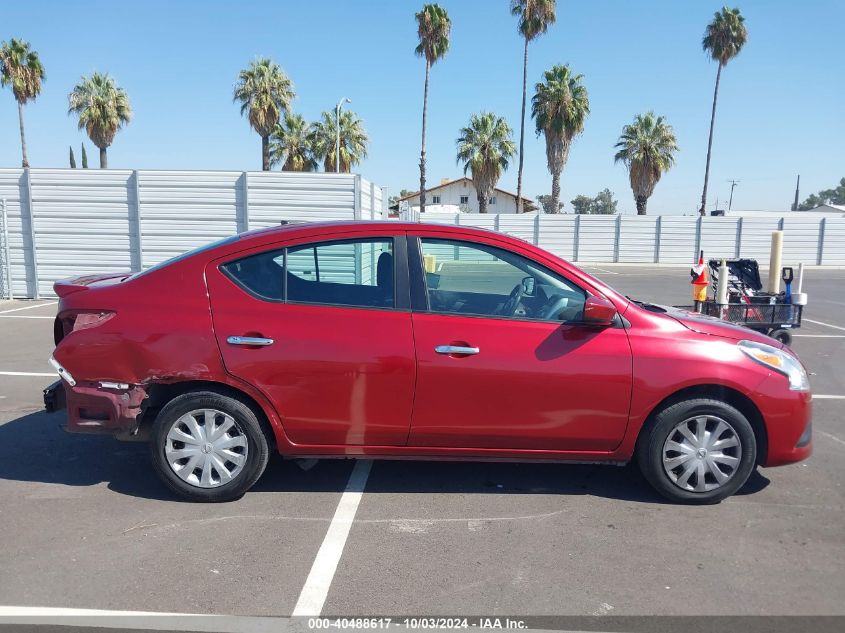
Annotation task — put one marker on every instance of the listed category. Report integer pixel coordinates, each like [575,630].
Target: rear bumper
[787,415]
[92,408]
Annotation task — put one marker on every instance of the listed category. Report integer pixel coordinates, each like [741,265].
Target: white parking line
[833,437]
[835,327]
[40,305]
[316,588]
[25,373]
[820,396]
[818,335]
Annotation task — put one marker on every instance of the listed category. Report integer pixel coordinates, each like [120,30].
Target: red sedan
[393,340]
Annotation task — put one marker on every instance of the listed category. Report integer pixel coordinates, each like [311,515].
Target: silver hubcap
[701,453]
[206,448]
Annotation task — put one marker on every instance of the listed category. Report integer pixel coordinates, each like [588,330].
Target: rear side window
[345,272]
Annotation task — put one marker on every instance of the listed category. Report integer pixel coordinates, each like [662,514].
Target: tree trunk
[482,203]
[265,153]
[104,159]
[522,129]
[555,204]
[641,201]
[702,210]
[422,150]
[24,159]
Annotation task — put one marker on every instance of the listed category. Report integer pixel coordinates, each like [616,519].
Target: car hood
[713,326]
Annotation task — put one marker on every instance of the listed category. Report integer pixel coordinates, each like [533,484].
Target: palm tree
[353,140]
[535,17]
[102,107]
[484,147]
[647,147]
[724,38]
[291,144]
[264,91]
[560,106]
[433,28]
[20,68]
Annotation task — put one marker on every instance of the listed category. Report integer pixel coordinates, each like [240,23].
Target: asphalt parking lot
[86,524]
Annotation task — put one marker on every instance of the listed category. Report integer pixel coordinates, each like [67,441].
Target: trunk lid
[65,287]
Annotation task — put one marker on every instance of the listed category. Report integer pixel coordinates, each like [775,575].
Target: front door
[324,331]
[502,362]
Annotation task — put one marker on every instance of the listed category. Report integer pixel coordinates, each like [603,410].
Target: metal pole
[7,251]
[734,183]
[337,130]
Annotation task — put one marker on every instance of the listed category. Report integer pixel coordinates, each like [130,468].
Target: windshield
[179,258]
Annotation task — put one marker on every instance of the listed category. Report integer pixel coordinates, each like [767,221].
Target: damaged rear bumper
[97,407]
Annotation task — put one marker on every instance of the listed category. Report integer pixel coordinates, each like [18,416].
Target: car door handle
[250,341]
[456,349]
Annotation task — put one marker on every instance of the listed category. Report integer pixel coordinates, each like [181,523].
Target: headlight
[779,360]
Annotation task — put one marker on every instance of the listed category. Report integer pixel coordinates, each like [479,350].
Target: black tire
[246,424]
[657,431]
[784,336]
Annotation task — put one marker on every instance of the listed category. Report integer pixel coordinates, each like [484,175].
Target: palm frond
[102,107]
[353,140]
[433,29]
[725,35]
[535,16]
[264,92]
[485,148]
[647,147]
[21,68]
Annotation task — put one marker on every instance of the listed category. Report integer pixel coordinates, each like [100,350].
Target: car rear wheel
[697,451]
[208,447]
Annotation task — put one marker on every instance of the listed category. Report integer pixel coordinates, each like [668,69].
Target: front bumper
[787,416]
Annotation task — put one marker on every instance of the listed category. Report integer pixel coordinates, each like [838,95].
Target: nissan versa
[393,340]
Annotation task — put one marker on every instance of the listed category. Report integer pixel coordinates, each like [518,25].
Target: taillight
[74,321]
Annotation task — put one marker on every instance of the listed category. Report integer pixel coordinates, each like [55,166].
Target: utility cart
[772,314]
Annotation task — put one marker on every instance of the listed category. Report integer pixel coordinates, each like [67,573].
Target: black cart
[748,305]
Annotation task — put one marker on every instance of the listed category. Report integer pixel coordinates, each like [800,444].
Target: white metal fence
[666,239]
[67,222]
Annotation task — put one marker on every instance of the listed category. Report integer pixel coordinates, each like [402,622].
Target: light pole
[337,139]
[734,183]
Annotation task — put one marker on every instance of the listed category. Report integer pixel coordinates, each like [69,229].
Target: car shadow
[35,448]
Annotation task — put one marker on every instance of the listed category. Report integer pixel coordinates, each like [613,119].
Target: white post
[7,250]
[775,261]
[800,283]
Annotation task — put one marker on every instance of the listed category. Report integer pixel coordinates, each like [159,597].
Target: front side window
[480,280]
[345,272]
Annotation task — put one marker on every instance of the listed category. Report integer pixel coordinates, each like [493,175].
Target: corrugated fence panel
[636,239]
[478,220]
[718,237]
[523,226]
[277,196]
[800,241]
[80,220]
[596,238]
[557,235]
[677,239]
[184,210]
[11,188]
[833,250]
[756,237]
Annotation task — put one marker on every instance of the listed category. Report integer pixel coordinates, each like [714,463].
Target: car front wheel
[208,447]
[697,451]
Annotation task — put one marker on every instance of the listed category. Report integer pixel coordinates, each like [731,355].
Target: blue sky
[781,104]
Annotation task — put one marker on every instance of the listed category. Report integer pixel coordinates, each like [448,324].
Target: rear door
[323,329]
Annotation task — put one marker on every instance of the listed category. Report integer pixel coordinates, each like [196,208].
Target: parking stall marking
[835,327]
[316,588]
[27,373]
[40,305]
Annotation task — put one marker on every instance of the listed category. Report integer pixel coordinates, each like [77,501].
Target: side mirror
[598,311]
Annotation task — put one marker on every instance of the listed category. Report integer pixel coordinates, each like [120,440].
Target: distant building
[827,208]
[459,196]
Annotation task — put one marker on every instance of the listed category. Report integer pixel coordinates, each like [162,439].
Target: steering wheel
[512,303]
